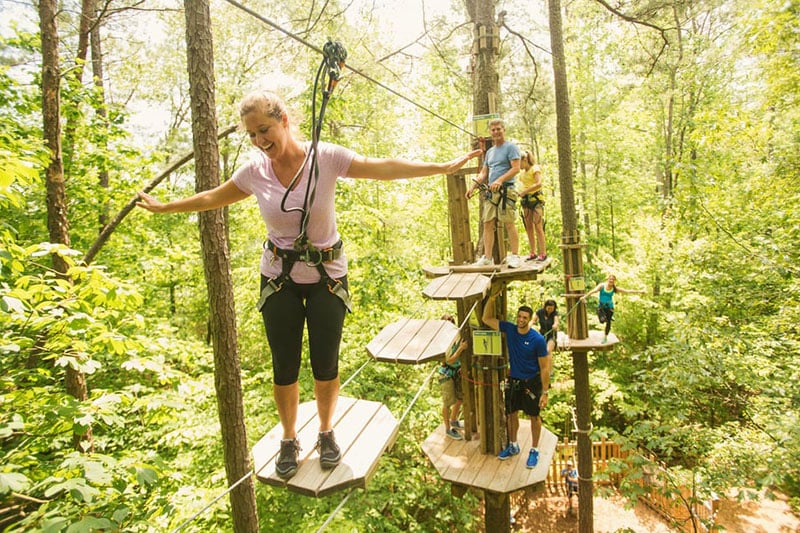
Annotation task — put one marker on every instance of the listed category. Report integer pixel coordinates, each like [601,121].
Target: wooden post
[580,366]
[497,512]
[463,248]
[578,328]
[467,375]
[575,284]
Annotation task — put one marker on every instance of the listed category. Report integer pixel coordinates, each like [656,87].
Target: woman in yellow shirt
[530,183]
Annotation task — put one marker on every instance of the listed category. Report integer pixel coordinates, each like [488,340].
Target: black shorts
[523,395]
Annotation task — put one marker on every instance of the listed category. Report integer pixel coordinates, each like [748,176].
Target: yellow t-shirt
[526,178]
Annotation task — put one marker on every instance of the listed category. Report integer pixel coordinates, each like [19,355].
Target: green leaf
[54,525]
[90,524]
[146,476]
[13,481]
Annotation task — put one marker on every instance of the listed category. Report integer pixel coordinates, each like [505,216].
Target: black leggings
[606,313]
[286,311]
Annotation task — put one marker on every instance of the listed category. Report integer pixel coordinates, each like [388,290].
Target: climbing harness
[312,257]
[502,196]
[333,58]
[532,200]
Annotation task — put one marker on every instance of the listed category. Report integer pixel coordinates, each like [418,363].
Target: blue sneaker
[533,458]
[511,449]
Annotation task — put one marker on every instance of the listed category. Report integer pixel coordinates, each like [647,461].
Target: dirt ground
[551,515]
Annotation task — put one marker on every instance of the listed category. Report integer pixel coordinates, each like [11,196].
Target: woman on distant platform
[532,203]
[605,307]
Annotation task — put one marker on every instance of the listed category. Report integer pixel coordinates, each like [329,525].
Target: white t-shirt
[257,178]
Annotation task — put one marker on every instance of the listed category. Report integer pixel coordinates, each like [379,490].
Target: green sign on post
[487,342]
[480,124]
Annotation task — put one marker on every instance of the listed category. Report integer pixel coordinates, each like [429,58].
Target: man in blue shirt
[529,376]
[499,171]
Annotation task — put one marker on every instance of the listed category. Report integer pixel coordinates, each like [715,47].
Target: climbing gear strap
[312,257]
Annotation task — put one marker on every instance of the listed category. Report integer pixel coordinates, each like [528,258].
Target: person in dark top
[547,318]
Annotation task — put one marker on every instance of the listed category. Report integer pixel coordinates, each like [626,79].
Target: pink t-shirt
[257,178]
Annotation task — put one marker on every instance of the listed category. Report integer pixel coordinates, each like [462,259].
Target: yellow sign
[576,284]
[487,342]
[480,124]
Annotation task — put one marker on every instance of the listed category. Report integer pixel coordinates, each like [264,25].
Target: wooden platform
[527,271]
[461,462]
[458,286]
[593,343]
[363,431]
[413,341]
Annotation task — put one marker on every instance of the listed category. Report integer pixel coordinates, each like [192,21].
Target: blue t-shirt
[524,351]
[498,159]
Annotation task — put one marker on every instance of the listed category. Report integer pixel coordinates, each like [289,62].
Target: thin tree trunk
[573,268]
[216,262]
[100,109]
[57,221]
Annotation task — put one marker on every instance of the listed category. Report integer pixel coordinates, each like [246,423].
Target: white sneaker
[513,261]
[484,261]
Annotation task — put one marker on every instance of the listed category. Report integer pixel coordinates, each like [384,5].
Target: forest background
[686,145]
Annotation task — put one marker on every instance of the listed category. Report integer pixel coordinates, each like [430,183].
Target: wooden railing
[673,507]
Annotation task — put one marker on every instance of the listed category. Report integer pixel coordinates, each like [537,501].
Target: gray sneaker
[286,464]
[454,434]
[329,453]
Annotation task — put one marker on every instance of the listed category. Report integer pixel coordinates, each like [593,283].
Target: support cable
[351,68]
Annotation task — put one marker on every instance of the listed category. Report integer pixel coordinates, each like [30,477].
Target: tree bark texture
[102,112]
[57,221]
[573,267]
[216,262]
[583,412]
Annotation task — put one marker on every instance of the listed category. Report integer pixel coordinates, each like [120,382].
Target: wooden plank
[528,271]
[413,341]
[457,286]
[418,339]
[445,338]
[361,460]
[363,429]
[384,337]
[267,448]
[476,462]
[307,432]
[434,447]
[594,342]
[310,477]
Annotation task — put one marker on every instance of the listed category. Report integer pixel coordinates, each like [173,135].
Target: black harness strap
[312,257]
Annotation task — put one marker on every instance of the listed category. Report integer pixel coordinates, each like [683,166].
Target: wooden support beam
[497,512]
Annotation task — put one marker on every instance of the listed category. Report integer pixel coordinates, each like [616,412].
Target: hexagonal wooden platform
[462,463]
[363,431]
[413,341]
[458,286]
[592,343]
[527,271]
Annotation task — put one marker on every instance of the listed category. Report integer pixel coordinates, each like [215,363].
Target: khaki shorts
[493,209]
[451,391]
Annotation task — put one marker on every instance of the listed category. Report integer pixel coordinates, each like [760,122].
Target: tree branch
[106,233]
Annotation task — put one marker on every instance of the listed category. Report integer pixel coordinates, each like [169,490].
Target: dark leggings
[609,316]
[286,311]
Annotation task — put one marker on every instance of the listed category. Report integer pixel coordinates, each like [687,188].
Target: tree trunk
[573,267]
[74,78]
[57,221]
[216,262]
[485,85]
[102,112]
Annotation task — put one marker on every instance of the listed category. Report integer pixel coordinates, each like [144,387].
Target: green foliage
[703,378]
